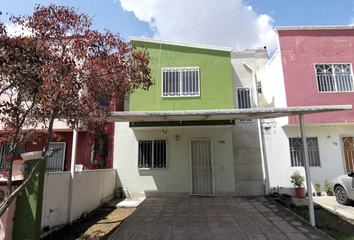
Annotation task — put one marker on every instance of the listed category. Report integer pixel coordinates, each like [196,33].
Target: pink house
[313,66]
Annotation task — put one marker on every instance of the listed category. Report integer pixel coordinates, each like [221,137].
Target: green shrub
[297,180]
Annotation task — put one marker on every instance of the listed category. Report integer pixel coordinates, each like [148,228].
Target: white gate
[202,182]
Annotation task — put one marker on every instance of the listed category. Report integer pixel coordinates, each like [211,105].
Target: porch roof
[222,114]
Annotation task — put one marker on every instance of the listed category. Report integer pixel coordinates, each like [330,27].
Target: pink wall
[6,222]
[300,51]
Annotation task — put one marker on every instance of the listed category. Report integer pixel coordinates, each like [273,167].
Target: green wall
[28,213]
[215,79]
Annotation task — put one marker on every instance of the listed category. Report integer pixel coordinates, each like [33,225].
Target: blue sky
[232,23]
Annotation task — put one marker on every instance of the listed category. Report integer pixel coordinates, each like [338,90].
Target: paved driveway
[330,203]
[214,218]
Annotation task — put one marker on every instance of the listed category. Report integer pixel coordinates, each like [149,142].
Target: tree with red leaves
[59,73]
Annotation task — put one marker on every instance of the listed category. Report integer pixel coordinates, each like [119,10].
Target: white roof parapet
[227,49]
[329,27]
[222,114]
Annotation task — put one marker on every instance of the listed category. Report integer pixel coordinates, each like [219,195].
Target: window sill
[181,96]
[148,169]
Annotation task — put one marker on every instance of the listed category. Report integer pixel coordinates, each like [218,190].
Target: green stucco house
[188,156]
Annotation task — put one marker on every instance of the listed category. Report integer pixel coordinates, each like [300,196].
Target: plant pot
[330,193]
[318,194]
[286,198]
[300,192]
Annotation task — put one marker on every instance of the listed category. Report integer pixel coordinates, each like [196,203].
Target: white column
[72,175]
[307,171]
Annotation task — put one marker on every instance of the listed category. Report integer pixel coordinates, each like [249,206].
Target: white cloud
[170,19]
[16,30]
[351,21]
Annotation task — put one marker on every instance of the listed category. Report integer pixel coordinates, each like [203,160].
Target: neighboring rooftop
[338,27]
[218,48]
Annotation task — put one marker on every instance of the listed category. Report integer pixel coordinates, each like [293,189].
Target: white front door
[202,182]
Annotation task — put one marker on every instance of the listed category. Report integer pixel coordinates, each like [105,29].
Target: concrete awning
[223,114]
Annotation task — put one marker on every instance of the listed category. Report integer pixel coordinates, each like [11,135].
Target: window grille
[152,154]
[56,162]
[180,82]
[244,100]
[259,87]
[5,151]
[296,152]
[334,77]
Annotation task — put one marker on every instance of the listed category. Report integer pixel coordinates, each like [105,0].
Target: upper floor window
[180,82]
[243,97]
[244,100]
[334,77]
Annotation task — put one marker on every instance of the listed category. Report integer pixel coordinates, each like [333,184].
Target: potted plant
[297,180]
[328,188]
[318,189]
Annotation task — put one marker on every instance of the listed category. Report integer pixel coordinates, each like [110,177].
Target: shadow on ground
[99,225]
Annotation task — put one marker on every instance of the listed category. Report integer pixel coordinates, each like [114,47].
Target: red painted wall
[300,51]
[83,155]
[84,145]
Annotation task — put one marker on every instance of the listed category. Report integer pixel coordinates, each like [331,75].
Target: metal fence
[56,163]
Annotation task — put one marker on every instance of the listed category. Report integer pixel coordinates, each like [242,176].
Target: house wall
[6,220]
[175,180]
[84,148]
[273,87]
[300,51]
[248,162]
[330,150]
[215,79]
[91,189]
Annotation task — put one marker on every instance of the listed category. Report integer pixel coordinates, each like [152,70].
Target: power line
[210,19]
[328,14]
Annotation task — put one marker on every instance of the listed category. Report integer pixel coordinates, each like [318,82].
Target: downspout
[260,137]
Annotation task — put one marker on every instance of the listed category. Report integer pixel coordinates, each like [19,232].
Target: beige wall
[174,180]
[91,189]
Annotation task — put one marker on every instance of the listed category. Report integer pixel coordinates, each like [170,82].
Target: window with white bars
[244,100]
[180,82]
[152,154]
[334,77]
[296,152]
[243,97]
[5,151]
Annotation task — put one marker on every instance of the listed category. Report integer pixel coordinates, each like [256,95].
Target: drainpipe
[72,175]
[260,138]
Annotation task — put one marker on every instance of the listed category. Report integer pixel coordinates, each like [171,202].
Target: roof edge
[210,47]
[326,27]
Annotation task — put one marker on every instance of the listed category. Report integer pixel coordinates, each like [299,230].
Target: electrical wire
[341,10]
[211,19]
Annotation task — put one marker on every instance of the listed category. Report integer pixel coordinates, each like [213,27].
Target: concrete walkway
[330,203]
[214,218]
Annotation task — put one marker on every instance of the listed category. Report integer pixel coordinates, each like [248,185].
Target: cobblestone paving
[214,218]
